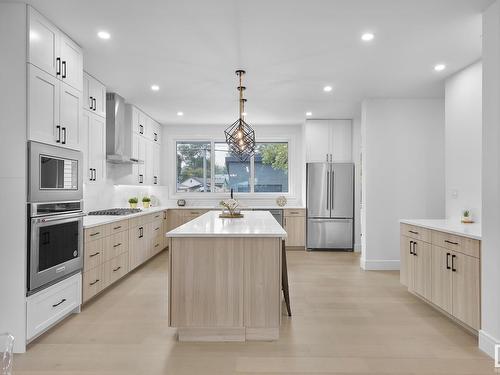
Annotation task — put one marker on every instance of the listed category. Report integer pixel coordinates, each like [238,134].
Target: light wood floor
[345,321]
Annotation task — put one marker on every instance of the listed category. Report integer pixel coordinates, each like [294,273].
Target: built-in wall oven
[55,211]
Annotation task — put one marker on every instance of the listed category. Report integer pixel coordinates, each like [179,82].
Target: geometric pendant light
[239,135]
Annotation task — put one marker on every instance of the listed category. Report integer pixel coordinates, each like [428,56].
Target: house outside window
[193,167]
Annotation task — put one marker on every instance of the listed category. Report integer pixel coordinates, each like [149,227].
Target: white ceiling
[290,49]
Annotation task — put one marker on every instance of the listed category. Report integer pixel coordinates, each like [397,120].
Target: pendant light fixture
[239,135]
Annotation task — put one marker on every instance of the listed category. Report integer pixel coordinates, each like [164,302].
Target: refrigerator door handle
[327,190]
[332,190]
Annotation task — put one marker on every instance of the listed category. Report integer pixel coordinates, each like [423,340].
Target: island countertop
[253,224]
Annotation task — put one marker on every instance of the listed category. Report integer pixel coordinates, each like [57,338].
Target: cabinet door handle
[58,127]
[413,232]
[95,174]
[141,129]
[448,261]
[63,129]
[64,69]
[94,234]
[141,232]
[57,304]
[453,263]
[118,227]
[93,255]
[415,249]
[117,268]
[451,242]
[95,104]
[90,177]
[58,66]
[94,282]
[118,244]
[157,245]
[411,250]
[91,102]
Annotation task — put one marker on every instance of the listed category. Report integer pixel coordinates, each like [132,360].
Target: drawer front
[117,227]
[298,212]
[157,228]
[464,245]
[416,232]
[157,245]
[93,254]
[116,268]
[194,213]
[156,216]
[93,282]
[52,304]
[95,233]
[115,245]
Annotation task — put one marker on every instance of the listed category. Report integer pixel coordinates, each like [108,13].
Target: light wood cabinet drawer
[464,245]
[117,227]
[93,282]
[189,213]
[95,233]
[156,245]
[294,212]
[116,268]
[156,216]
[115,245]
[93,254]
[157,228]
[52,304]
[415,232]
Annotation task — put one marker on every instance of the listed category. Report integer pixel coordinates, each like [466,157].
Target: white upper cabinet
[328,140]
[156,164]
[70,116]
[94,95]
[94,147]
[52,51]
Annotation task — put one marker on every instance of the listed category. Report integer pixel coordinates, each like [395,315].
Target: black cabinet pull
[58,66]
[451,242]
[94,234]
[91,102]
[141,129]
[411,250]
[118,227]
[91,174]
[117,268]
[415,249]
[157,245]
[95,104]
[155,136]
[412,231]
[141,177]
[64,69]
[118,244]
[58,127]
[448,261]
[95,282]
[141,232]
[57,304]
[453,263]
[93,255]
[63,129]
[95,174]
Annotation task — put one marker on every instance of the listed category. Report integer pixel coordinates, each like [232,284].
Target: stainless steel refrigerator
[330,206]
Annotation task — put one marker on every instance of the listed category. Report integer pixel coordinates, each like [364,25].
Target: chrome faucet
[232,193]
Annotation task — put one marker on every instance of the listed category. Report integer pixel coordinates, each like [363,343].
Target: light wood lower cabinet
[178,217]
[445,270]
[294,223]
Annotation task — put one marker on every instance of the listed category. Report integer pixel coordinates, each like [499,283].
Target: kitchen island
[225,278]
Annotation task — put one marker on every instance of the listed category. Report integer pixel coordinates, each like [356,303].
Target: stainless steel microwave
[55,173]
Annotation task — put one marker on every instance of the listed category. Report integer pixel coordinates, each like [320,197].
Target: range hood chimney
[118,131]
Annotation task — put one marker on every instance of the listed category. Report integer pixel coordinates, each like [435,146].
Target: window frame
[212,194]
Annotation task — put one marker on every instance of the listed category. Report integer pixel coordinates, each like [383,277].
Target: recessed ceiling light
[327,88]
[103,35]
[309,114]
[366,37]
[180,113]
[439,67]
[155,87]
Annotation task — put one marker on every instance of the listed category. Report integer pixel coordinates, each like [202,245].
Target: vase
[146,204]
[133,205]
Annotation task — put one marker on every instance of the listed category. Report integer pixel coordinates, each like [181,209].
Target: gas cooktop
[116,211]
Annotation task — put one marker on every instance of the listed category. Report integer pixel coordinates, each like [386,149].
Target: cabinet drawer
[416,232]
[95,233]
[464,245]
[115,245]
[189,213]
[52,304]
[117,227]
[156,216]
[298,212]
[156,245]
[157,228]
[93,282]
[93,254]
[116,268]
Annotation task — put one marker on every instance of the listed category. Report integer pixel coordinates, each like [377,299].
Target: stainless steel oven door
[55,173]
[56,248]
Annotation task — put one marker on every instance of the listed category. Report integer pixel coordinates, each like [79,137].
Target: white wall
[403,172]
[291,133]
[13,172]
[490,254]
[463,142]
[356,158]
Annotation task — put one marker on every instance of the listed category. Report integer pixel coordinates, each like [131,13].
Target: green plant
[146,199]
[133,200]
[466,213]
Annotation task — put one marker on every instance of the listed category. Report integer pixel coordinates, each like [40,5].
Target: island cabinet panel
[466,289]
[207,282]
[441,278]
[175,219]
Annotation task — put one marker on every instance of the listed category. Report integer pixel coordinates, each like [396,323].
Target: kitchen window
[265,172]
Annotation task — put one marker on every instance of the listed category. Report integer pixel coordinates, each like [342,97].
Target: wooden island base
[225,288]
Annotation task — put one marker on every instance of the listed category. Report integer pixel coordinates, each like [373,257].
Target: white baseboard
[379,265]
[487,343]
[357,247]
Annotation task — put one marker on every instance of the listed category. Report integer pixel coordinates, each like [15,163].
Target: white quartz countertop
[90,221]
[448,226]
[253,224]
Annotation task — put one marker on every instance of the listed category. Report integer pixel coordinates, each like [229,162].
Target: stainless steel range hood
[118,131]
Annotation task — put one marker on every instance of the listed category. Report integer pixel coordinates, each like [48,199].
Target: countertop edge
[111,218]
[416,222]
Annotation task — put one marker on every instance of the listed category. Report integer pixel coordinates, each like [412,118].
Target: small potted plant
[133,202]
[466,217]
[146,202]
[230,208]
